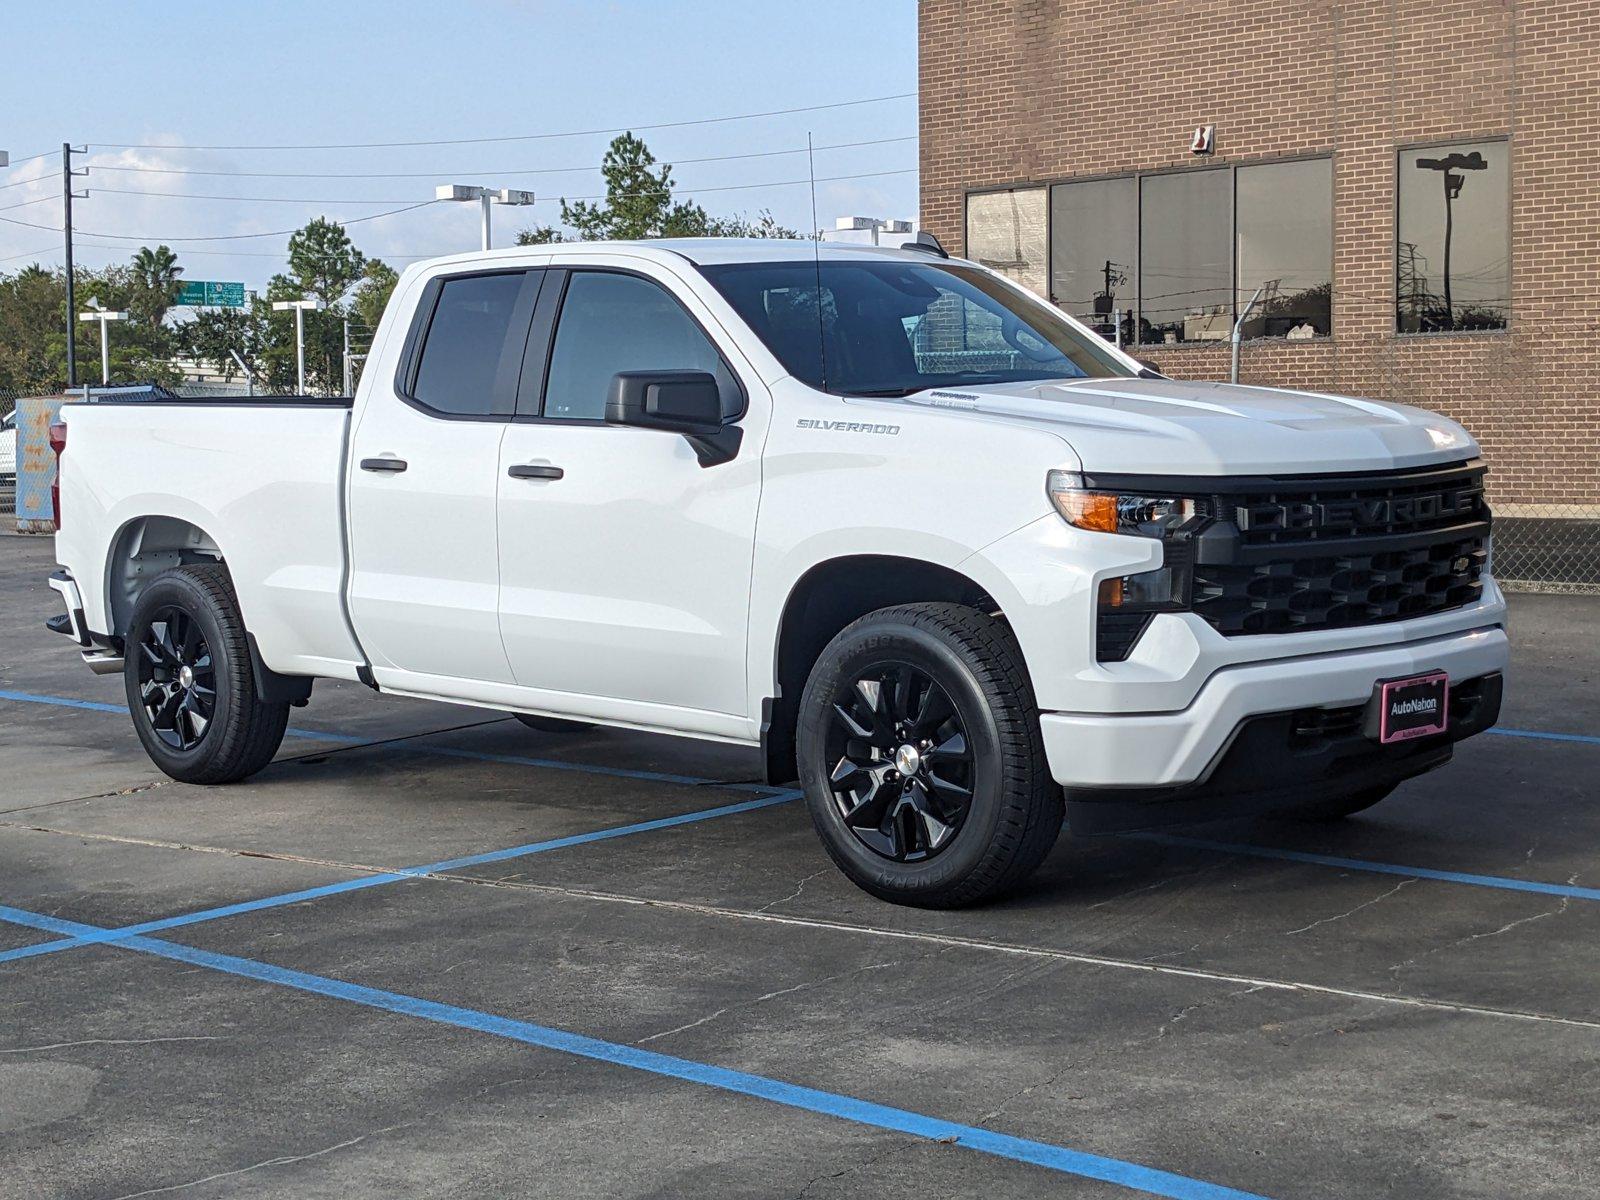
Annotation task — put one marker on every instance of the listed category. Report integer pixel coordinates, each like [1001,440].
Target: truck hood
[1172,427]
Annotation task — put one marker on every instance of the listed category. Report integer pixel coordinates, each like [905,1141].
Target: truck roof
[708,250]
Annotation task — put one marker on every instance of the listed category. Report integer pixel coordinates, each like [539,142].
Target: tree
[639,204]
[540,235]
[373,292]
[157,273]
[323,261]
[216,334]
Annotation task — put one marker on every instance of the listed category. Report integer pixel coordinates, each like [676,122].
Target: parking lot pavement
[429,951]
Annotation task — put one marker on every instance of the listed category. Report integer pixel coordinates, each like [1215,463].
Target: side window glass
[612,323]
[473,348]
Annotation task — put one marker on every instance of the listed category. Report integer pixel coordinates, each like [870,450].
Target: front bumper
[1148,759]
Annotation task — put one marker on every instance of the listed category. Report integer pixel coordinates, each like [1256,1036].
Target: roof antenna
[816,259]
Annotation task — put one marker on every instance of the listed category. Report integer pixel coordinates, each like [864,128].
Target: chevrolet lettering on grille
[1366,512]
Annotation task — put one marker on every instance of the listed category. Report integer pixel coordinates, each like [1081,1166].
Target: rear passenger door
[624,563]
[424,552]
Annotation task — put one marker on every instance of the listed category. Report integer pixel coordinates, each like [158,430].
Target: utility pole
[67,196]
[346,357]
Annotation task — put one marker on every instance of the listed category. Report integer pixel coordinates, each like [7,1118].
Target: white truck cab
[953,561]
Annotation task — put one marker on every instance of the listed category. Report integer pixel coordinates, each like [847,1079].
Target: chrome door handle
[535,471]
[394,465]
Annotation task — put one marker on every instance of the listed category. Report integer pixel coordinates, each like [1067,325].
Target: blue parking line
[1353,864]
[1148,1180]
[315,735]
[1565,890]
[1545,737]
[397,876]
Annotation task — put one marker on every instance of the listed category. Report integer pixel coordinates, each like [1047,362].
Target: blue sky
[177,75]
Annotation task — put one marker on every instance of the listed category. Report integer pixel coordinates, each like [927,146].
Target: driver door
[625,564]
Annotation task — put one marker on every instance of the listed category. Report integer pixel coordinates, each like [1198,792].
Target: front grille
[1336,592]
[1331,553]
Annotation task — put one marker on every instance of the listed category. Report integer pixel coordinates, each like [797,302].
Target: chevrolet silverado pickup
[960,567]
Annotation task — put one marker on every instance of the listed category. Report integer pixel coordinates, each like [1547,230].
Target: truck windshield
[886,328]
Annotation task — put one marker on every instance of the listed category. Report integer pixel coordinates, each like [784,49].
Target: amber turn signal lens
[1111,593]
[1088,510]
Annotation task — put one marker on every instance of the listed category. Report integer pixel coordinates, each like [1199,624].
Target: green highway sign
[201,292]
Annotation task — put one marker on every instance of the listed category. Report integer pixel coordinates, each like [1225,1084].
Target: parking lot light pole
[485,196]
[105,318]
[299,306]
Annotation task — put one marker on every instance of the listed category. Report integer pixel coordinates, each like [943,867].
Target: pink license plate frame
[1403,725]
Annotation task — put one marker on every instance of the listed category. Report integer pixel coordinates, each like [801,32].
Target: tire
[964,805]
[552,724]
[189,618]
[1340,807]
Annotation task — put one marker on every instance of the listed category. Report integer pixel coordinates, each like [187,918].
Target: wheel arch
[826,598]
[141,549]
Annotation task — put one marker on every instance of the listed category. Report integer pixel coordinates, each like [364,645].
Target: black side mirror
[686,402]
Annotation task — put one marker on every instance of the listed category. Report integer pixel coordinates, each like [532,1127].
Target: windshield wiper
[894,391]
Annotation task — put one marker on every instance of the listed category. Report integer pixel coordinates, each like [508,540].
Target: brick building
[1414,186]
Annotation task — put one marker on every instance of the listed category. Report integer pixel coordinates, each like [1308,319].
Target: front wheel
[190,685]
[922,760]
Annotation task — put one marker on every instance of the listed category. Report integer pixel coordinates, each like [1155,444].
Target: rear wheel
[922,760]
[1340,807]
[190,685]
[551,724]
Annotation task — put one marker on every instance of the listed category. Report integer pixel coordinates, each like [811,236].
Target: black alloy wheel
[903,771]
[177,679]
[190,682]
[921,756]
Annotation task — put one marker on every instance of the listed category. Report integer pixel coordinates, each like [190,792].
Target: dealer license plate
[1413,707]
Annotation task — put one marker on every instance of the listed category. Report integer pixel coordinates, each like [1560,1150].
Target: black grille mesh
[1332,592]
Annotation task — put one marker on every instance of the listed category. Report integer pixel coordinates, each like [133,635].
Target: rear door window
[471,355]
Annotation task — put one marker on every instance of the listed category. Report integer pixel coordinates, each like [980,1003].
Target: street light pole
[299,306]
[105,318]
[1453,184]
[485,196]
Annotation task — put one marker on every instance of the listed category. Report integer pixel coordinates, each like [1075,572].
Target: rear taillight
[58,443]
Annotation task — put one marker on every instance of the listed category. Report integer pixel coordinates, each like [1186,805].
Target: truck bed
[261,479]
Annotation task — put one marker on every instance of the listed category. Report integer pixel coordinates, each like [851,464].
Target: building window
[1285,247]
[1177,255]
[1006,233]
[1186,257]
[1093,251]
[1453,252]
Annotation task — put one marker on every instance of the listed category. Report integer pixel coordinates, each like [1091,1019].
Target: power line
[28,253]
[224,237]
[102,191]
[528,137]
[455,171]
[30,179]
[733,187]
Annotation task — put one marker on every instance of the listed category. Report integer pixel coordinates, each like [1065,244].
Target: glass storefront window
[1186,256]
[1094,246]
[1006,233]
[1284,216]
[1452,248]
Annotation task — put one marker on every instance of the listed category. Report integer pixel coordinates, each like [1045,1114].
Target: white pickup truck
[952,561]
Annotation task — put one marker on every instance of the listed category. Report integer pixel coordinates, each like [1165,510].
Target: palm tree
[157,271]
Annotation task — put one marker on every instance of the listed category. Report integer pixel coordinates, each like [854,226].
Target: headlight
[1116,512]
[1125,604]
